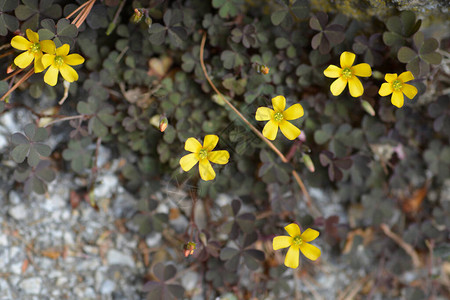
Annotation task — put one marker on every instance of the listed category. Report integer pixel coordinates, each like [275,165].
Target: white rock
[107,287]
[18,212]
[115,257]
[31,285]
[3,240]
[189,280]
[14,198]
[153,239]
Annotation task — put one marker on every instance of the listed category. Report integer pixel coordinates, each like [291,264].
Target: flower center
[297,241]
[59,61]
[203,154]
[35,48]
[278,117]
[397,85]
[347,73]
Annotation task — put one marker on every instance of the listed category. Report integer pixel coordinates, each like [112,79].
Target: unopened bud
[163,122]
[367,107]
[264,69]
[203,238]
[11,68]
[308,163]
[377,75]
[148,21]
[137,16]
[189,248]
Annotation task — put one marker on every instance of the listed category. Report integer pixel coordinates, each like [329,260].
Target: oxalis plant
[310,117]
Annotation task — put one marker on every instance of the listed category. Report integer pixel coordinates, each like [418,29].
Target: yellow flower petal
[24,59]
[20,43]
[293,112]
[264,114]
[38,66]
[289,130]
[279,103]
[292,258]
[48,46]
[188,161]
[406,76]
[270,130]
[51,76]
[293,229]
[309,235]
[192,145]
[210,142]
[385,89]
[397,98]
[219,157]
[409,90]
[310,251]
[32,36]
[280,242]
[338,86]
[390,77]
[68,73]
[332,71]
[74,59]
[206,170]
[362,70]
[63,50]
[347,59]
[355,86]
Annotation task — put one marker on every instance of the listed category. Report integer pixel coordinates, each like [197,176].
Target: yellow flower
[297,242]
[278,117]
[203,155]
[397,87]
[59,61]
[33,50]
[347,73]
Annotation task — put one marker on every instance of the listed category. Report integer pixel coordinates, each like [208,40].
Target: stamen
[59,61]
[36,47]
[278,117]
[203,153]
[397,85]
[347,73]
[297,240]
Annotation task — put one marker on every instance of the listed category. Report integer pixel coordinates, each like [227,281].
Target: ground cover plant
[327,119]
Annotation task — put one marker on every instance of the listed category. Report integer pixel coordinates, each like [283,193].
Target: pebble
[31,286]
[107,287]
[18,212]
[115,257]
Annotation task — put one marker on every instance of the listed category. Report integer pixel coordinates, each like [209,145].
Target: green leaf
[8,22]
[432,58]
[406,54]
[8,5]
[20,152]
[64,28]
[157,34]
[42,149]
[278,16]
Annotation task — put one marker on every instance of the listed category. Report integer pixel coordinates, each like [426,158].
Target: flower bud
[137,16]
[264,69]
[308,163]
[163,122]
[189,248]
[367,107]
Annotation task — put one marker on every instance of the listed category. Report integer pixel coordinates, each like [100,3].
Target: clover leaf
[400,27]
[370,47]
[334,164]
[329,35]
[31,11]
[297,9]
[101,115]
[79,153]
[35,179]
[8,22]
[160,289]
[246,35]
[232,256]
[240,223]
[177,34]
[61,33]
[419,60]
[30,145]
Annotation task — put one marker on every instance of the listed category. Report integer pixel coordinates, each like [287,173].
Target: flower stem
[256,131]
[21,80]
